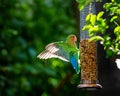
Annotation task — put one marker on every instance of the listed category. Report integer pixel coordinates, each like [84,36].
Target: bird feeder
[89,72]
[88,53]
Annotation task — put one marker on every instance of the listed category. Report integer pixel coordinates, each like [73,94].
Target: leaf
[93,30]
[87,27]
[118,11]
[88,18]
[109,53]
[97,38]
[93,19]
[82,4]
[113,10]
[100,14]
[113,18]
[107,6]
[117,30]
[118,38]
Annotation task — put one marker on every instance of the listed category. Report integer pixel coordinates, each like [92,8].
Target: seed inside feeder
[88,57]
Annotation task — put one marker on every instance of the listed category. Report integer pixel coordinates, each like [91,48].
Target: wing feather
[52,50]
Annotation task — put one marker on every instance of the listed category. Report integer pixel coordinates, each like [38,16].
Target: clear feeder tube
[88,53]
[88,58]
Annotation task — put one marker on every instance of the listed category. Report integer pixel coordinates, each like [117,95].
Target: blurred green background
[26,26]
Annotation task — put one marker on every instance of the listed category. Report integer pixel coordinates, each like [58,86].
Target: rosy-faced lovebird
[66,51]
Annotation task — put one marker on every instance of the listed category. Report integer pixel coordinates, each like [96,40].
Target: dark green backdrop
[26,26]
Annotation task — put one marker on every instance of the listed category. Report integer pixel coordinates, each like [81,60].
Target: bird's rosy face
[73,38]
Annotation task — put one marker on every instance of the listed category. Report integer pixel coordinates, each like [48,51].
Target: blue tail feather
[74,62]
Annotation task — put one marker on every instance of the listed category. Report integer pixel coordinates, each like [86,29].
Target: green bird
[66,51]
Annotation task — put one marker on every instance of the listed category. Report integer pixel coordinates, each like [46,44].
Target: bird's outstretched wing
[54,50]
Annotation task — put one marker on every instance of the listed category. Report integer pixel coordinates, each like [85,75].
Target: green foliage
[26,26]
[83,3]
[96,24]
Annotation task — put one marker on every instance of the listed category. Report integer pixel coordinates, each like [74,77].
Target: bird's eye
[73,37]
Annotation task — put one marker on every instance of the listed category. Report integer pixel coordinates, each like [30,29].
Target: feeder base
[90,86]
